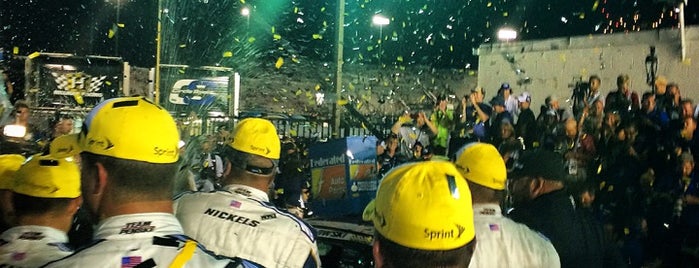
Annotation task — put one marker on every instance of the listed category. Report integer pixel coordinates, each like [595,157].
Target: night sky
[439,33]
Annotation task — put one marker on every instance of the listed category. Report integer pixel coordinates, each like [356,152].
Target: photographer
[471,120]
[412,128]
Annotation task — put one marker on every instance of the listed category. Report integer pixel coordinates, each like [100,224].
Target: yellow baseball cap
[9,164]
[482,164]
[48,177]
[257,136]
[132,128]
[64,146]
[423,205]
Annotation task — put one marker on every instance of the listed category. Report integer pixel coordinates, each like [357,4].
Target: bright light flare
[245,12]
[380,20]
[507,34]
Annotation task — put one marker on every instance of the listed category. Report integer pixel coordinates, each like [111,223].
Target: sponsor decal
[130,261]
[242,191]
[137,227]
[444,234]
[268,217]
[231,217]
[487,211]
[263,150]
[164,151]
[494,227]
[31,236]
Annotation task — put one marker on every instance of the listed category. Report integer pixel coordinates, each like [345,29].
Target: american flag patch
[130,261]
[236,204]
[494,227]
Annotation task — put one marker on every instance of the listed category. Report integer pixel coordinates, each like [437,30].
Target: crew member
[128,169]
[45,196]
[239,220]
[422,216]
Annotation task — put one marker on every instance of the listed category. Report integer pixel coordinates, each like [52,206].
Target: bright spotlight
[506,34]
[380,20]
[245,12]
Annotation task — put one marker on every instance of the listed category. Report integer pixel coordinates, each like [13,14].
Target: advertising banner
[196,90]
[343,175]
[75,81]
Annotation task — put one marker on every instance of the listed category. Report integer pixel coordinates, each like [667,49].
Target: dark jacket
[576,235]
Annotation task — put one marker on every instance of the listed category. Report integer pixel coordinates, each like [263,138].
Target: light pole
[246,13]
[380,20]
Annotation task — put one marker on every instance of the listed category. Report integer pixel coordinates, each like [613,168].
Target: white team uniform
[239,221]
[32,246]
[502,242]
[145,239]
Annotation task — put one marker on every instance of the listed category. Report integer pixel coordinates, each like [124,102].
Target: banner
[343,174]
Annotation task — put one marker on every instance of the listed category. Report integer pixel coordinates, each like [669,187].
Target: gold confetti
[227,54]
[242,1]
[399,58]
[322,9]
[276,36]
[111,34]
[120,25]
[490,4]
[273,29]
[298,92]
[295,60]
[317,36]
[505,14]
[292,132]
[183,45]
[279,63]
[317,87]
[296,10]
[595,5]
[451,48]
[79,98]
[341,102]
[109,83]
[422,98]
[251,39]
[34,55]
[471,73]
[275,99]
[15,50]
[359,106]
[581,16]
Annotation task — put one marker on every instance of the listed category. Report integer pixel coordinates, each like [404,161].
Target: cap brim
[65,146]
[369,211]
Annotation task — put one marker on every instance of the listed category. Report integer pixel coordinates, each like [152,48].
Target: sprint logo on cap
[444,234]
[261,150]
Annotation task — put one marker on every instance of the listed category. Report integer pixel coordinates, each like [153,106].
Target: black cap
[539,163]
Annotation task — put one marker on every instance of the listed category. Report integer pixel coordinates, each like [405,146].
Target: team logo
[78,82]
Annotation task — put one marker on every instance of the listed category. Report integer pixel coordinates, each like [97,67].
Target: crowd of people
[609,183]
[628,157]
